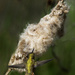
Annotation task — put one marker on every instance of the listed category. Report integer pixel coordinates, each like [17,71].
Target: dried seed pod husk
[41,35]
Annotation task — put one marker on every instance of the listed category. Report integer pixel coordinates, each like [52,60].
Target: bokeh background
[14,17]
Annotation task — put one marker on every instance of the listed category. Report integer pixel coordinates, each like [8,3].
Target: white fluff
[40,36]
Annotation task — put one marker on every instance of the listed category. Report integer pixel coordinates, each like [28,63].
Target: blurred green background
[14,17]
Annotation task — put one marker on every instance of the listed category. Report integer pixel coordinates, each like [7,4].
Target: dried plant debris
[30,64]
[39,36]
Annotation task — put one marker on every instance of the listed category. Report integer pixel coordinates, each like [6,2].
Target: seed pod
[40,36]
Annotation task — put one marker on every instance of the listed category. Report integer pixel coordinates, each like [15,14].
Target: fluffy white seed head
[40,36]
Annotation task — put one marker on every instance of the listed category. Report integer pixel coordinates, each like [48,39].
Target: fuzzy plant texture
[41,35]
